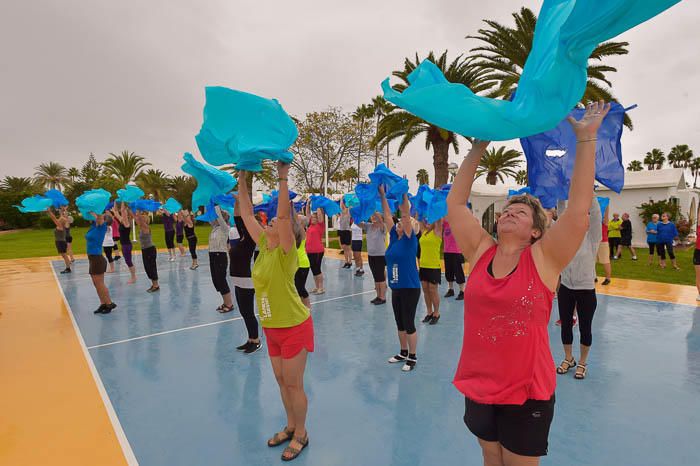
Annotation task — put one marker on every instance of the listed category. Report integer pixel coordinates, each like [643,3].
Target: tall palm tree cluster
[680,156]
[492,68]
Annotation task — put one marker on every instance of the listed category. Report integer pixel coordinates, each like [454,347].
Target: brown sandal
[277,439]
[561,370]
[304,442]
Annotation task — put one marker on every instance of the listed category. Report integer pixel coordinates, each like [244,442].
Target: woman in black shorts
[60,237]
[188,229]
[430,269]
[302,273]
[344,234]
[94,238]
[356,240]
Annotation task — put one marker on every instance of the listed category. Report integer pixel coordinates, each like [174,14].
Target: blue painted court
[184,396]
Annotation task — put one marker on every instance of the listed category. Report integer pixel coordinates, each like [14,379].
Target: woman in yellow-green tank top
[286,321]
[430,273]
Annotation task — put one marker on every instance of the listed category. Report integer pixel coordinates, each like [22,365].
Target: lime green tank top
[430,250]
[302,257]
[279,305]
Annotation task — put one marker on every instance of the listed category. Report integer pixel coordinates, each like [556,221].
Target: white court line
[116,425]
[210,323]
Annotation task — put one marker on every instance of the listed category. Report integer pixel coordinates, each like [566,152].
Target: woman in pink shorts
[285,319]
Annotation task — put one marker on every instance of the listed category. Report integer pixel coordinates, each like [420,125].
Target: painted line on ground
[207,324]
[111,413]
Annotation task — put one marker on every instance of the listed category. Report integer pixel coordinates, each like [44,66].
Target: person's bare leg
[435,298]
[403,340]
[69,251]
[132,270]
[412,341]
[111,267]
[293,375]
[66,260]
[634,253]
[382,290]
[511,459]
[427,298]
[286,400]
[492,453]
[675,264]
[98,289]
[568,352]
[181,247]
[320,281]
[584,354]
[608,270]
[154,284]
[228,300]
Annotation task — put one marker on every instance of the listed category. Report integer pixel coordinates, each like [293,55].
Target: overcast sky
[103,76]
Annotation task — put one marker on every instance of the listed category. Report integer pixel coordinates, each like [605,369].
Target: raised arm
[53,217]
[99,219]
[284,221]
[386,211]
[595,229]
[560,243]
[472,239]
[245,207]
[405,222]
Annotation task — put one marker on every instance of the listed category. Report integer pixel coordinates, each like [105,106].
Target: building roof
[498,190]
[665,178]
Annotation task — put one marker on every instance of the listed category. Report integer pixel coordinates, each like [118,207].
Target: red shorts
[289,341]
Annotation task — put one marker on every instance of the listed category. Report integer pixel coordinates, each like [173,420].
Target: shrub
[647,209]
[683,227]
[10,216]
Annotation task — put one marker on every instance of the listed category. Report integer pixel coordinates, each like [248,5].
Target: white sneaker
[409,365]
[396,358]
[698,298]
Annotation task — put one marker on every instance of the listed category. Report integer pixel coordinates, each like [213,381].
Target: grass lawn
[40,243]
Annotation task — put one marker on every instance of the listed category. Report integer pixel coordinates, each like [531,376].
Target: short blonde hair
[539,217]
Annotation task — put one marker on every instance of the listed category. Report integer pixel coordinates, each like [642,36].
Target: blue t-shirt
[94,238]
[401,261]
[666,232]
[651,237]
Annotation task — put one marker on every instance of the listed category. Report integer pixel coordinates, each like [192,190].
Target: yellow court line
[52,411]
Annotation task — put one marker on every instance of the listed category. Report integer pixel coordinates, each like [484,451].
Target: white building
[639,187]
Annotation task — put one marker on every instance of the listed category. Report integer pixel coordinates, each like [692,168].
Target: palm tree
[361,115]
[154,182]
[182,188]
[521,177]
[505,50]
[382,108]
[125,167]
[654,160]
[73,173]
[422,176]
[635,166]
[17,184]
[680,156]
[695,169]
[400,124]
[499,163]
[51,175]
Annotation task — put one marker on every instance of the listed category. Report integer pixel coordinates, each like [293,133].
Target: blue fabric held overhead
[552,82]
[210,181]
[518,192]
[145,205]
[172,206]
[351,200]
[34,204]
[603,202]
[209,214]
[59,200]
[130,193]
[551,156]
[395,186]
[329,207]
[94,200]
[244,129]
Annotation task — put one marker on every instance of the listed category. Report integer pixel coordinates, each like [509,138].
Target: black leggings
[584,302]
[316,259]
[108,253]
[404,301]
[170,239]
[149,256]
[300,277]
[654,247]
[614,243]
[218,265]
[662,248]
[245,297]
[192,243]
[453,267]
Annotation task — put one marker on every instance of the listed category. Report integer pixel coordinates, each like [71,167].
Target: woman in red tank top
[506,371]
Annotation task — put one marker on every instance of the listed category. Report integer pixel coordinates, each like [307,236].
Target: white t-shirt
[356,232]
[108,241]
[233,234]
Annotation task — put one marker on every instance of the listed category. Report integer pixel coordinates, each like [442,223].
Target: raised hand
[587,127]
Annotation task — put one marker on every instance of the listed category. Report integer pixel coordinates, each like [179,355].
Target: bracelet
[586,140]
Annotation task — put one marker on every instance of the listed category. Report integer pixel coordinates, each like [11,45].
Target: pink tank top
[505,352]
[449,244]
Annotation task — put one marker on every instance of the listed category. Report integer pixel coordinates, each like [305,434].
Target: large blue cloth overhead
[129,194]
[329,207]
[603,202]
[518,192]
[395,186]
[94,200]
[57,197]
[210,181]
[269,206]
[551,156]
[244,129]
[145,205]
[34,204]
[430,204]
[172,206]
[209,214]
[351,200]
[552,82]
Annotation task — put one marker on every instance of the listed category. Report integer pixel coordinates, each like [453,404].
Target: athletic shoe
[698,298]
[427,318]
[347,265]
[66,270]
[252,347]
[109,308]
[379,301]
[615,258]
[449,293]
[100,309]
[359,272]
[634,258]
[460,296]
[409,365]
[434,320]
[396,358]
[116,258]
[243,346]
[153,289]
[606,281]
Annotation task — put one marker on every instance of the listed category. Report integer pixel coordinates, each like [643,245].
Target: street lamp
[452,168]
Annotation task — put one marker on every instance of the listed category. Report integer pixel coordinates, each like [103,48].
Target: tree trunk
[441,153]
[387,155]
[491,178]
